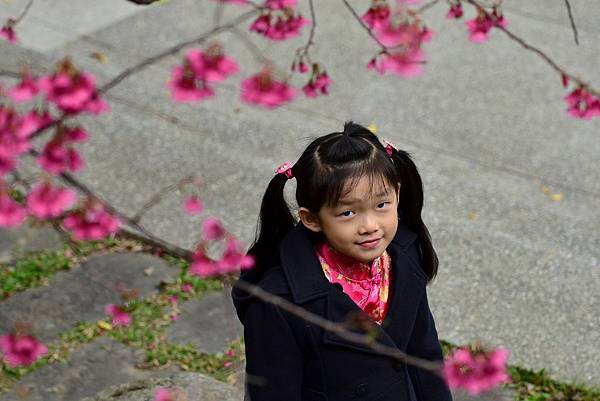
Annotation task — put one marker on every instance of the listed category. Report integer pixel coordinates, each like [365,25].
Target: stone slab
[82,293]
[16,242]
[90,369]
[208,323]
[197,387]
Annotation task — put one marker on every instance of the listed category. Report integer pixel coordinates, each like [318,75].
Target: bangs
[337,182]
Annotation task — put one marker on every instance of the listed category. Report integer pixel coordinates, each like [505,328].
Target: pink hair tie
[285,168]
[389,147]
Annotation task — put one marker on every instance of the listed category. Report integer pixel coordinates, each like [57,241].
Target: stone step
[16,242]
[82,293]
[90,369]
[209,323]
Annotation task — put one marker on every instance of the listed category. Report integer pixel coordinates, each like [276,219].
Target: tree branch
[353,11]
[572,20]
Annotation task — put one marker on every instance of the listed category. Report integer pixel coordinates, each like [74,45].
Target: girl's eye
[346,213]
[382,204]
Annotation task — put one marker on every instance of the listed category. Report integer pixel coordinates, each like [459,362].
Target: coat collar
[303,270]
[306,280]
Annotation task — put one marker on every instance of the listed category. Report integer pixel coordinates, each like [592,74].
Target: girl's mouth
[370,244]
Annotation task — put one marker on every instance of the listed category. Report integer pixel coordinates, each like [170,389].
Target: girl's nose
[369,224]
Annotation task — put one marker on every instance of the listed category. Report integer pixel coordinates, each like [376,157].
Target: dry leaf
[545,189]
[557,197]
[100,57]
[473,216]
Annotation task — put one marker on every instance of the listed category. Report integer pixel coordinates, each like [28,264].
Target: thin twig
[219,8]
[174,50]
[158,196]
[540,53]
[10,74]
[426,6]
[24,12]
[313,27]
[568,4]
[361,22]
[338,328]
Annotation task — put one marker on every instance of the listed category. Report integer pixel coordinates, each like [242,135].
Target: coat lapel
[307,282]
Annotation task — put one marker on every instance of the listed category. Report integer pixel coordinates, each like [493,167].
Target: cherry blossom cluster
[21,349]
[476,369]
[480,26]
[402,33]
[582,104]
[7,31]
[279,20]
[65,93]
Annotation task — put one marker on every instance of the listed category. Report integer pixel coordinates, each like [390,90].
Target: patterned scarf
[367,286]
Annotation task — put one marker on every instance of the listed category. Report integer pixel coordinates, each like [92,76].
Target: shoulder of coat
[274,281]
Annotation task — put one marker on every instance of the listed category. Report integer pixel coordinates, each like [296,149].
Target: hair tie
[285,168]
[389,147]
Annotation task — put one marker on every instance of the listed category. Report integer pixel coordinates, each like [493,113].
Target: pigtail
[410,207]
[274,222]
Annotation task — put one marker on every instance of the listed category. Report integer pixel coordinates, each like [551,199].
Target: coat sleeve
[273,359]
[424,344]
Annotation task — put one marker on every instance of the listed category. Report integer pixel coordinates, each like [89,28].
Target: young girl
[359,251]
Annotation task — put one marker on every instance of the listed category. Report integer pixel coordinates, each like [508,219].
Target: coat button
[361,390]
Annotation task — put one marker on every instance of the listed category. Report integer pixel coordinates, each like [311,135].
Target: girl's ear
[309,219]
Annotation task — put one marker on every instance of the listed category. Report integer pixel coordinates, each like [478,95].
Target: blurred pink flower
[262,89]
[404,64]
[376,16]
[163,394]
[185,88]
[203,266]
[13,134]
[12,214]
[173,299]
[212,229]
[7,32]
[21,350]
[33,121]
[455,12]
[8,162]
[92,222]
[46,201]
[212,65]
[186,287]
[72,91]
[58,156]
[119,316]
[25,90]
[193,205]
[283,26]
[233,259]
[317,85]
[409,35]
[476,373]
[582,104]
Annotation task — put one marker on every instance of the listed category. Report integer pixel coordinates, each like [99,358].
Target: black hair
[321,172]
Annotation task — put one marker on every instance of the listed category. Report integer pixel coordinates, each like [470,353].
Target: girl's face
[362,224]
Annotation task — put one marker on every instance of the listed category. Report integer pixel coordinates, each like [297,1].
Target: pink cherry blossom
[455,12]
[262,89]
[163,394]
[33,121]
[21,350]
[58,156]
[7,32]
[408,35]
[173,299]
[25,90]
[582,104]
[46,201]
[8,162]
[186,287]
[202,266]
[376,16]
[212,65]
[407,64]
[302,67]
[92,222]
[212,230]
[233,259]
[174,317]
[193,205]
[13,136]
[279,26]
[477,372]
[12,214]
[317,85]
[119,316]
[280,4]
[185,88]
[72,91]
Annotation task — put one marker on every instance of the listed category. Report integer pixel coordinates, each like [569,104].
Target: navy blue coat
[288,359]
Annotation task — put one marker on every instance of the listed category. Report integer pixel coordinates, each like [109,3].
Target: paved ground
[486,125]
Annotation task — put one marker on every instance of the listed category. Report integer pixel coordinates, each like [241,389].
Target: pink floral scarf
[367,286]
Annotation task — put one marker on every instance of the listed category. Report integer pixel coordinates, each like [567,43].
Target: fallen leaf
[473,216]
[100,57]
[557,197]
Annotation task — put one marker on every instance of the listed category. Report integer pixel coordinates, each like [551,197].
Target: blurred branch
[572,20]
[360,21]
[25,11]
